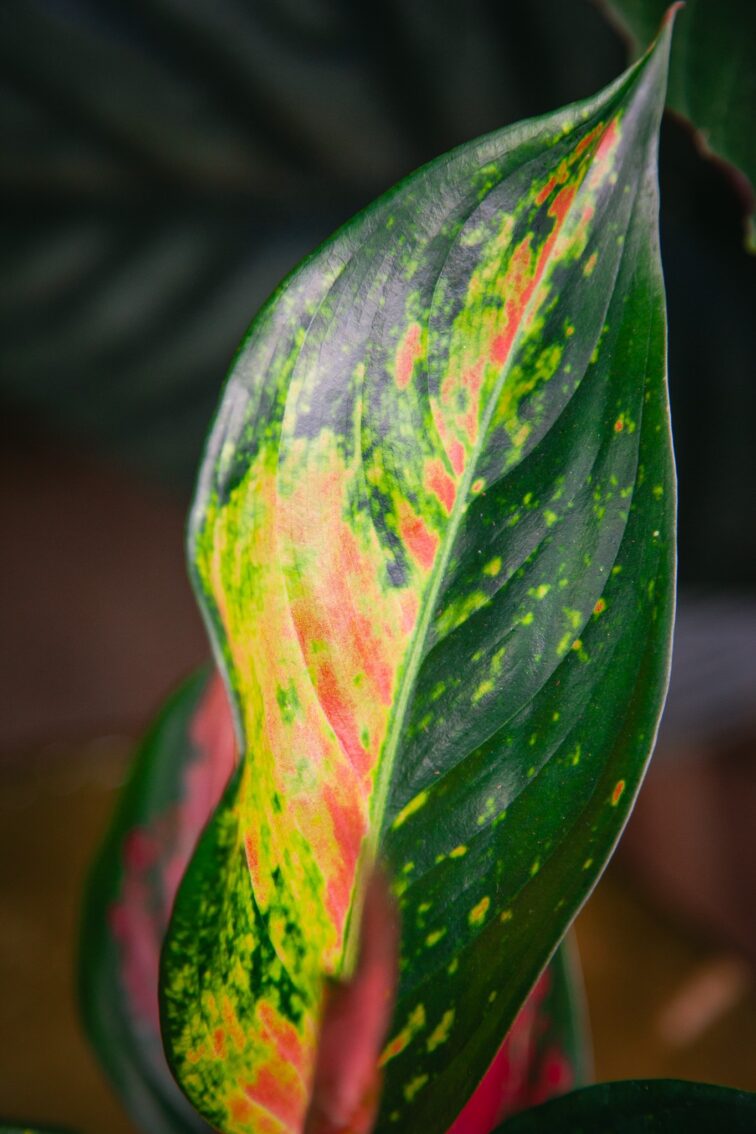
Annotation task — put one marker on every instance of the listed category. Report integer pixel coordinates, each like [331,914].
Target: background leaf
[664,1105]
[433,536]
[545,1052]
[177,778]
[712,78]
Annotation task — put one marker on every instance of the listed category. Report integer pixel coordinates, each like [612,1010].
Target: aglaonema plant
[433,543]
[178,777]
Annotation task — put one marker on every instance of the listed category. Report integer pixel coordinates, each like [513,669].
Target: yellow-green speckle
[414,805]
[485,687]
[488,812]
[564,643]
[414,1086]
[459,610]
[440,1033]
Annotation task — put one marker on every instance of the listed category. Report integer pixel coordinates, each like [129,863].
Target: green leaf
[433,537]
[545,1052]
[561,1055]
[712,79]
[178,776]
[668,1106]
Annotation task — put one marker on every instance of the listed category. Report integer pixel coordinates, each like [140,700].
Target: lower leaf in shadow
[668,1106]
[178,776]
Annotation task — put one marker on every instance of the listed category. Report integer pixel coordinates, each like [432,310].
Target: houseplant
[576,483]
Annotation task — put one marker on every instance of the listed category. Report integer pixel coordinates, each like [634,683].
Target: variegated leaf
[178,777]
[433,538]
[545,1052]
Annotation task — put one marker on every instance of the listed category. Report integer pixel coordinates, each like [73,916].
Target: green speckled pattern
[176,780]
[433,540]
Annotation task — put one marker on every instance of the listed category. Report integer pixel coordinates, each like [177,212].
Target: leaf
[543,1054]
[433,537]
[356,1014]
[668,1106]
[176,781]
[712,79]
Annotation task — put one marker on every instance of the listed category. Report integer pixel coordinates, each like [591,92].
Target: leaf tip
[669,16]
[664,35]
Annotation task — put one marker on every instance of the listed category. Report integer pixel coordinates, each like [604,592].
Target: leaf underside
[668,1106]
[433,542]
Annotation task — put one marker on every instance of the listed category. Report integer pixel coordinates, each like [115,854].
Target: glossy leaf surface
[433,538]
[178,776]
[666,1106]
[712,78]
[544,1054]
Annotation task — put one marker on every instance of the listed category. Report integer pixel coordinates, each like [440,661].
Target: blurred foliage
[167,163]
[712,78]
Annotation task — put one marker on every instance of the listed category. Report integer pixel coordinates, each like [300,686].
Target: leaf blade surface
[665,1105]
[176,780]
[433,539]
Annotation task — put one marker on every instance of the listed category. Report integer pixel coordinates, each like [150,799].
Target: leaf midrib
[416,651]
